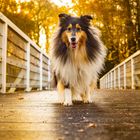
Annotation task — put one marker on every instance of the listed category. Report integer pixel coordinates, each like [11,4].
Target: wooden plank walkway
[114,115]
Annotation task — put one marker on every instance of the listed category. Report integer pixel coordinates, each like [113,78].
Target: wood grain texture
[114,115]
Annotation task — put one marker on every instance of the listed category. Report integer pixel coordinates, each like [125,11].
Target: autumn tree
[119,22]
[120,25]
[14,11]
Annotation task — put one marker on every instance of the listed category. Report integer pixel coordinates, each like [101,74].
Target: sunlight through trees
[118,20]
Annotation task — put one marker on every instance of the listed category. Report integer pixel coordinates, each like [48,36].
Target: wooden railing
[23,65]
[126,75]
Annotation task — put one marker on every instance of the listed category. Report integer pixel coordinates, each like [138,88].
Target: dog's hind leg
[61,89]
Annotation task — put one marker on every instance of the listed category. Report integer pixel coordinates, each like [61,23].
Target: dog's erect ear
[63,17]
[86,18]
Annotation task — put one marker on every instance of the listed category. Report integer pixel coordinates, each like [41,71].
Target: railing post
[106,81]
[103,84]
[124,71]
[28,67]
[119,85]
[132,74]
[41,70]
[49,74]
[4,56]
[114,79]
[111,80]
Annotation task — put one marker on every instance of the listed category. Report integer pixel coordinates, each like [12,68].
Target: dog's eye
[78,29]
[69,29]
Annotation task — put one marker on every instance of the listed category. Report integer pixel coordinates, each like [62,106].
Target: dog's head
[74,29]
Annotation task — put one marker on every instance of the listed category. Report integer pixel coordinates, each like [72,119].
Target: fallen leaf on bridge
[21,98]
[91,125]
[80,130]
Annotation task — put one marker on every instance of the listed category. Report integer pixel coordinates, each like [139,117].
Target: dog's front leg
[88,95]
[61,90]
[74,95]
[68,97]
[65,96]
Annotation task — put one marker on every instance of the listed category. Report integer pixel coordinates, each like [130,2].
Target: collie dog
[77,56]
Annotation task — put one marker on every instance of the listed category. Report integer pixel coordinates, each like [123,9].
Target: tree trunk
[138,24]
[130,28]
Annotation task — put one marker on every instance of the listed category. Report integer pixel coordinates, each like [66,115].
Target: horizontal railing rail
[23,65]
[126,75]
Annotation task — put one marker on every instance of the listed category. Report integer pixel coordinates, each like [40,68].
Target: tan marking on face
[66,35]
[69,32]
[81,51]
[78,26]
[65,38]
[79,32]
[82,37]
[69,26]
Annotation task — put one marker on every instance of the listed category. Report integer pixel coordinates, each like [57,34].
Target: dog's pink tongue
[73,45]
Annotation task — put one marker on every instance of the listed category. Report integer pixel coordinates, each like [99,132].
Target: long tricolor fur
[77,55]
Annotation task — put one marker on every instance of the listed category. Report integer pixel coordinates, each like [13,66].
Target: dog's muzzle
[73,42]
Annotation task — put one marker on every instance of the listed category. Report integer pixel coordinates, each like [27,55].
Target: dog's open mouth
[73,45]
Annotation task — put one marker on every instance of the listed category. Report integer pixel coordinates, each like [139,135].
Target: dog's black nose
[73,39]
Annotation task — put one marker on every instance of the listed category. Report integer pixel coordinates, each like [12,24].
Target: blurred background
[118,20]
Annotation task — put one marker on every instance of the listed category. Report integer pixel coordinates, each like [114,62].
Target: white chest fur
[76,75]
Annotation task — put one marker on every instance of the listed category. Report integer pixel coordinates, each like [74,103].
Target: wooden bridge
[29,110]
[114,114]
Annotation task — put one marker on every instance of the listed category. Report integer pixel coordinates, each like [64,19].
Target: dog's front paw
[67,103]
[68,98]
[87,101]
[60,99]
